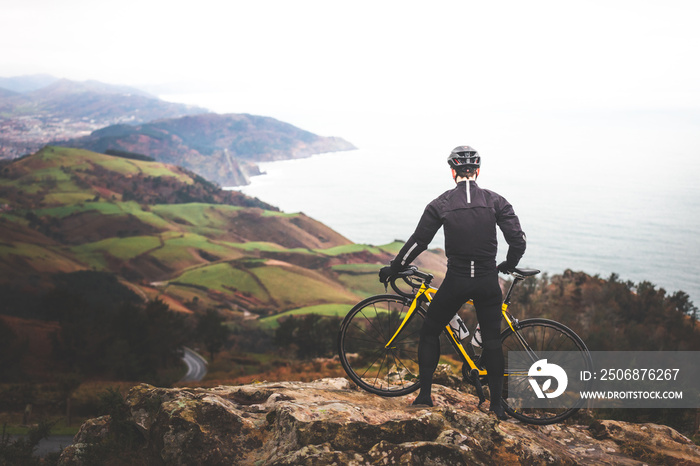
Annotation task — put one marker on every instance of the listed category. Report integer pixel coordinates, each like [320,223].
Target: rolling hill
[40,110]
[91,100]
[26,83]
[35,110]
[221,148]
[168,233]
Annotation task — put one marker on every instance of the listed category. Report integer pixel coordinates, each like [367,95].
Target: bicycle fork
[422,291]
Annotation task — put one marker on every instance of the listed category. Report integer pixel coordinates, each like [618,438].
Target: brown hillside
[67,210]
[290,232]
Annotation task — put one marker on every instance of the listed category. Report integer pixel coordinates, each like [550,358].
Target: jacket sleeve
[509,224]
[429,224]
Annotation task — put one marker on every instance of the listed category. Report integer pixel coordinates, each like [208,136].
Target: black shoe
[497,409]
[422,401]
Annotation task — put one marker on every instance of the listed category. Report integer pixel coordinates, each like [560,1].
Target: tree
[12,351]
[212,332]
[311,335]
[119,337]
[21,450]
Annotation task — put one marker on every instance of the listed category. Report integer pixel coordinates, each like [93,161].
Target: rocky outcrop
[221,148]
[329,422]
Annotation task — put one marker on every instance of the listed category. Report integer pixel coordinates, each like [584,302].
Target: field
[353,249]
[222,277]
[327,310]
[201,215]
[294,286]
[121,248]
[168,235]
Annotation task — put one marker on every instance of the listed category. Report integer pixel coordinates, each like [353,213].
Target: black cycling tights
[455,290]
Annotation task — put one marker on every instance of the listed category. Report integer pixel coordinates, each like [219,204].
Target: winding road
[196,370]
[196,366]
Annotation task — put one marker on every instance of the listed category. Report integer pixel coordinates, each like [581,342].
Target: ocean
[598,190]
[623,200]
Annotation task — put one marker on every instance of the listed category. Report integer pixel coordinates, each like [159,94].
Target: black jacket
[469,215]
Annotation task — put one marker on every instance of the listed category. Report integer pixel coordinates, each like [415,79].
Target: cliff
[221,148]
[329,422]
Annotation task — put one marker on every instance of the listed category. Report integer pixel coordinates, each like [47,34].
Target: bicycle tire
[362,348]
[542,335]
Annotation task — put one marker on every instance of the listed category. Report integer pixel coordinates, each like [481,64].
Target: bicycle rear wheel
[534,340]
[362,339]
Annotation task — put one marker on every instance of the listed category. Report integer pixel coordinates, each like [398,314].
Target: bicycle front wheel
[362,340]
[533,341]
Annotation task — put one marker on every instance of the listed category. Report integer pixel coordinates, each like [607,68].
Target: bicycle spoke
[374,340]
[405,367]
[365,331]
[371,323]
[537,337]
[378,321]
[393,356]
[380,368]
[407,336]
[381,354]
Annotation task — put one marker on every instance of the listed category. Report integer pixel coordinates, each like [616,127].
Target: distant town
[27,134]
[40,110]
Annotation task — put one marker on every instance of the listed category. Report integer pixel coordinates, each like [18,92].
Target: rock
[331,422]
[444,375]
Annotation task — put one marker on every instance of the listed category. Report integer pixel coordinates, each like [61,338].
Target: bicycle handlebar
[406,275]
[412,271]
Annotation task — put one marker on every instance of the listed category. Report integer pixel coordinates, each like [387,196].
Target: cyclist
[469,215]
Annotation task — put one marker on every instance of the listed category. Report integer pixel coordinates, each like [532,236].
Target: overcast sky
[313,63]
[557,52]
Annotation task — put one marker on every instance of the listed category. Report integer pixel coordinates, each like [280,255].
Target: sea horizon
[597,190]
[578,229]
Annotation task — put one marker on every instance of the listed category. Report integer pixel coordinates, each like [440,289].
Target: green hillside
[109,265]
[169,234]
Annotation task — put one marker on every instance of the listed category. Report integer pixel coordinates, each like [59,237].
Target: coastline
[636,234]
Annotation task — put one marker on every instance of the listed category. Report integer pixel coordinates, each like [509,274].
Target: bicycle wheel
[535,340]
[362,339]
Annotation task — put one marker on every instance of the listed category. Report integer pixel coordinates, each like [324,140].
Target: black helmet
[464,156]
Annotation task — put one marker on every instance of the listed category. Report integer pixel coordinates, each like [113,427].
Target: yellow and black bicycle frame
[428,292]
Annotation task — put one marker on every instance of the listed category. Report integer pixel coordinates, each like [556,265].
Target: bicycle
[378,348]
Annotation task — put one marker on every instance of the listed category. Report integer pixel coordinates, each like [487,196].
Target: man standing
[469,216]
